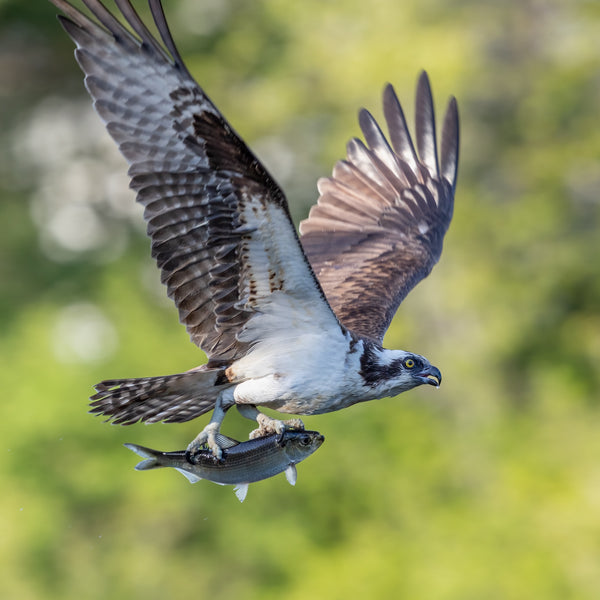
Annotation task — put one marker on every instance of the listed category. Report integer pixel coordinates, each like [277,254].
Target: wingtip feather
[450,142]
[398,129]
[425,124]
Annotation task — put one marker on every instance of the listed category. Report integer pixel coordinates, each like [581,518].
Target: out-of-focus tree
[487,489]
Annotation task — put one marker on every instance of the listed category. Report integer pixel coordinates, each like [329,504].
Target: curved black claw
[193,451]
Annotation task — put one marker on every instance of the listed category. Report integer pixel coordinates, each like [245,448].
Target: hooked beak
[431,375]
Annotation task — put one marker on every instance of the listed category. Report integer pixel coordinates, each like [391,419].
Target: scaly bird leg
[266,424]
[208,436]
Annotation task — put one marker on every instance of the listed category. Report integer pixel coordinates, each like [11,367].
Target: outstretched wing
[380,221]
[220,227]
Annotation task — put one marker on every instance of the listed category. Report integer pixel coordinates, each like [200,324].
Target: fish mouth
[319,439]
[314,437]
[431,376]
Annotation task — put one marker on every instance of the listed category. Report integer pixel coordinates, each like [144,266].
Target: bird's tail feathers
[170,398]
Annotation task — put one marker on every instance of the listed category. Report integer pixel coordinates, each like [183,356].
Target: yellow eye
[409,363]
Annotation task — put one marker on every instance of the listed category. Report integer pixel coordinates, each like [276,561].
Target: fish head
[300,444]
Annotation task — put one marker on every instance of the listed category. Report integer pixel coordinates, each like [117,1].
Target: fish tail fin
[154,460]
[152,457]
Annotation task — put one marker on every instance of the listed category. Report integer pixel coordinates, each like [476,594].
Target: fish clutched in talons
[210,438]
[242,463]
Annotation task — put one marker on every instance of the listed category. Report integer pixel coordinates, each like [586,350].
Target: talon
[255,433]
[294,424]
[268,426]
[205,439]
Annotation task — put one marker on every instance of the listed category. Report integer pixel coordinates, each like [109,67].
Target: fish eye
[409,363]
[305,440]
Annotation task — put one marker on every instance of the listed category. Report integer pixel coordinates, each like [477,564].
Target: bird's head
[390,372]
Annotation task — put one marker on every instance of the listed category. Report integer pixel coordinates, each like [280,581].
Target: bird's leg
[208,436]
[266,424]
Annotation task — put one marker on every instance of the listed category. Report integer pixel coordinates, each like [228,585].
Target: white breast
[302,366]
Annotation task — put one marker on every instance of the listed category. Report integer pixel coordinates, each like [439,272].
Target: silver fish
[242,463]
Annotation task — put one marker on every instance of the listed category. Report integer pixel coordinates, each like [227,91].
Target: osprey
[291,323]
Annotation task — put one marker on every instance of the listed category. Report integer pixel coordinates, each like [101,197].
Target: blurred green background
[486,489]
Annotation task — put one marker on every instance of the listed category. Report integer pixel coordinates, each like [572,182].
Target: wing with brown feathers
[380,221]
[220,227]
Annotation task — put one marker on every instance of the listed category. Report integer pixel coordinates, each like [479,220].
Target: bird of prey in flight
[293,323]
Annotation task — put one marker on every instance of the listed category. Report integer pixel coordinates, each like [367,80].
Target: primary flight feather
[294,324]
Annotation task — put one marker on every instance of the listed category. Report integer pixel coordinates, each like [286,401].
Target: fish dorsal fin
[291,474]
[241,489]
[189,476]
[225,442]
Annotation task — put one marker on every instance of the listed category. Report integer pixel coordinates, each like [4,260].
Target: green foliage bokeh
[488,488]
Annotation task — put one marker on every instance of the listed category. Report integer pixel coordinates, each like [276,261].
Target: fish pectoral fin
[241,489]
[191,477]
[225,442]
[291,474]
